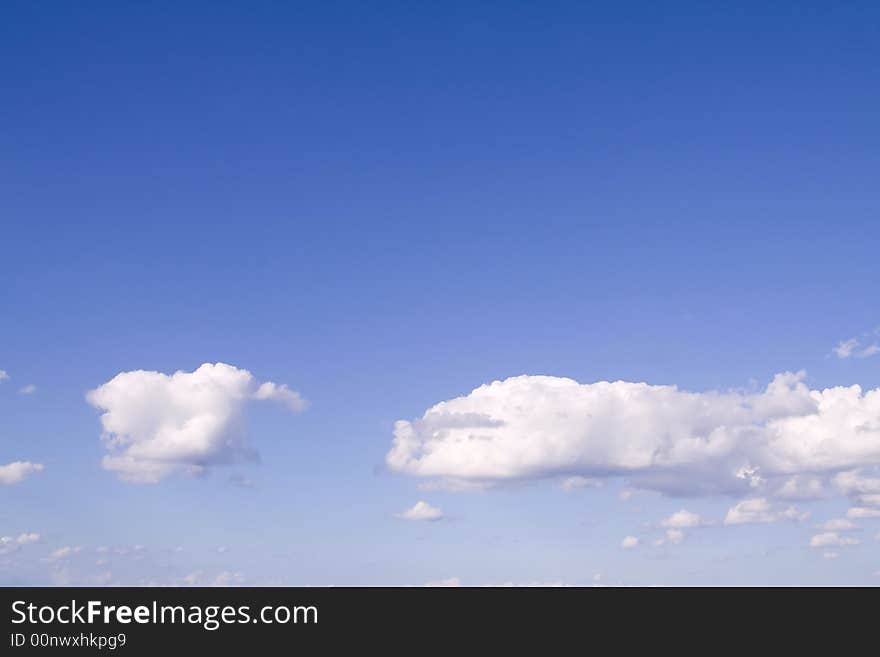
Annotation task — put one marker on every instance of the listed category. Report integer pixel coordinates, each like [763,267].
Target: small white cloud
[13,543]
[830,555]
[759,510]
[14,473]
[421,511]
[672,537]
[683,519]
[853,348]
[832,539]
[23,539]
[837,525]
[857,512]
[29,389]
[854,483]
[801,488]
[574,483]
[657,437]
[64,553]
[452,485]
[451,582]
[751,475]
[629,542]
[3,376]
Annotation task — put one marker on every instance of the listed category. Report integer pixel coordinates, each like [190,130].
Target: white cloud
[155,424]
[223,579]
[10,544]
[3,376]
[857,512]
[64,553]
[845,348]
[869,500]
[29,389]
[451,582]
[830,555]
[421,511]
[837,525]
[629,542]
[227,578]
[283,394]
[574,483]
[855,348]
[801,487]
[683,519]
[759,510]
[672,537]
[533,585]
[832,539]
[135,551]
[658,437]
[18,471]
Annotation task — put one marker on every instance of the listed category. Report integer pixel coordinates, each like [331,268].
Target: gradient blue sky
[386,205]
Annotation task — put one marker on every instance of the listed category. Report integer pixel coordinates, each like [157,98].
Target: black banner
[138,621]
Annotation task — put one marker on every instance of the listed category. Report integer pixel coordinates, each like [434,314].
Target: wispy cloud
[156,424]
[14,473]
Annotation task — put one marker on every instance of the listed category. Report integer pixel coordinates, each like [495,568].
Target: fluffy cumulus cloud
[64,553]
[155,424]
[787,441]
[421,511]
[18,471]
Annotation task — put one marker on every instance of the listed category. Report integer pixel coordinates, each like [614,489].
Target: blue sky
[386,207]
